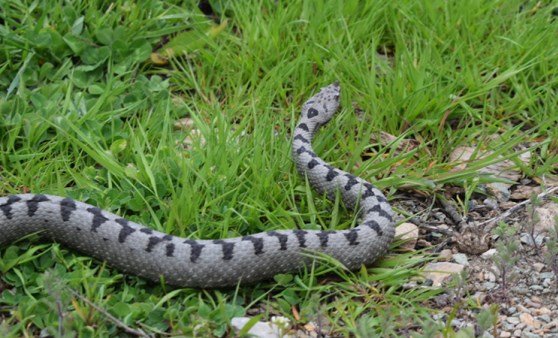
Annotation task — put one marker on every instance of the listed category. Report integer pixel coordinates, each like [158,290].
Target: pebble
[445,255]
[545,318]
[490,276]
[439,272]
[490,202]
[409,233]
[543,311]
[490,285]
[539,266]
[547,275]
[526,238]
[528,320]
[520,290]
[513,320]
[489,253]
[460,258]
[271,329]
[536,287]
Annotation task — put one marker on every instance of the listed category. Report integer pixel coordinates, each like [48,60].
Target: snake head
[321,107]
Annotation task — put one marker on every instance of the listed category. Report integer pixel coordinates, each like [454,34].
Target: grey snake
[140,250]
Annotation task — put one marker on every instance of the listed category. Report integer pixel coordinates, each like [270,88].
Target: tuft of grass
[90,93]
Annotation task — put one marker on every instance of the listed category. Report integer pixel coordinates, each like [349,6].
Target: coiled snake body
[139,250]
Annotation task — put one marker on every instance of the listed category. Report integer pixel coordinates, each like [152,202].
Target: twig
[491,223]
[60,311]
[431,228]
[110,317]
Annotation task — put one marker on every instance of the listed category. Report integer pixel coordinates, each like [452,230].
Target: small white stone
[408,232]
[539,266]
[489,253]
[261,329]
[460,258]
[512,320]
[439,272]
[528,320]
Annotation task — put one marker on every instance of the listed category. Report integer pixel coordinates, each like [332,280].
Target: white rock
[512,320]
[460,258]
[261,329]
[489,253]
[526,238]
[539,266]
[409,233]
[439,272]
[547,215]
[528,320]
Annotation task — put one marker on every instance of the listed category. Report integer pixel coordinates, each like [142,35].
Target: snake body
[139,250]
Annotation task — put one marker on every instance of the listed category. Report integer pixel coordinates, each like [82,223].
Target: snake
[184,262]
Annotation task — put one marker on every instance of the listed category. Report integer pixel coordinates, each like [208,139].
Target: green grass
[86,113]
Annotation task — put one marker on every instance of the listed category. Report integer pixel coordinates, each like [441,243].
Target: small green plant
[506,257]
[457,288]
[429,328]
[532,220]
[551,255]
[487,318]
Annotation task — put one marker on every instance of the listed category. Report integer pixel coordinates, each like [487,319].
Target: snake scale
[139,250]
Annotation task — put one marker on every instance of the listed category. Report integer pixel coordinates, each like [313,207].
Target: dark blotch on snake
[67,207]
[312,112]
[324,237]
[352,237]
[312,164]
[125,231]
[282,239]
[169,250]
[301,236]
[374,226]
[7,207]
[301,139]
[303,126]
[228,248]
[331,174]
[381,212]
[351,182]
[257,242]
[98,218]
[33,204]
[153,240]
[195,249]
